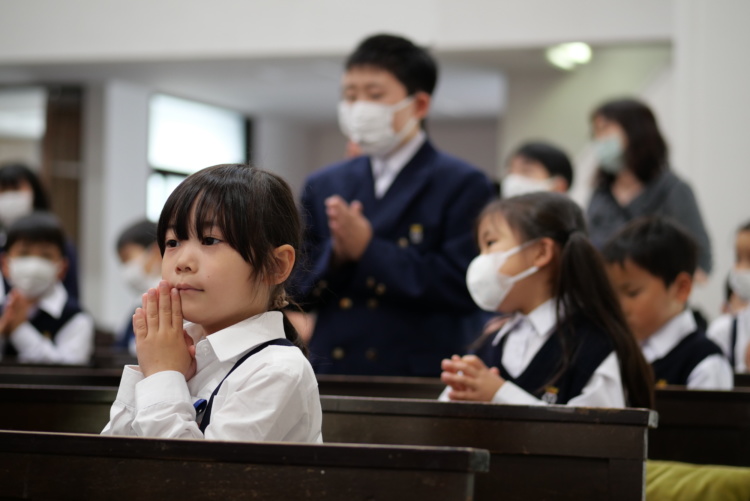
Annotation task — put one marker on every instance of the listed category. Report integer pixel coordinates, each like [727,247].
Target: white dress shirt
[385,169]
[526,335]
[720,332]
[712,373]
[73,343]
[271,396]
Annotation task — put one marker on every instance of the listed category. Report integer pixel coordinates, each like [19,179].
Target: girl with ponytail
[565,339]
[237,370]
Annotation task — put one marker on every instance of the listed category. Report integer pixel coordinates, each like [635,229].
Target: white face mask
[516,184]
[33,276]
[14,205]
[739,281]
[133,273]
[609,154]
[370,125]
[487,286]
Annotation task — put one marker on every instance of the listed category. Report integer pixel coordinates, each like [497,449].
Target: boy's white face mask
[33,276]
[370,125]
[14,205]
[739,281]
[516,184]
[487,286]
[133,273]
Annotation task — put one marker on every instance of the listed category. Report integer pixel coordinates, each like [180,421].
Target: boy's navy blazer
[404,305]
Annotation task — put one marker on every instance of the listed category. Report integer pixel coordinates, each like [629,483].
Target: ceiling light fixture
[567,56]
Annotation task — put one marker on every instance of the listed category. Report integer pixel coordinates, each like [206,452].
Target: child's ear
[63,269]
[560,184]
[544,252]
[682,286]
[422,101]
[284,258]
[4,264]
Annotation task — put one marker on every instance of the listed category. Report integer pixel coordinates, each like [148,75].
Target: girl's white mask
[609,154]
[14,205]
[516,184]
[370,125]
[33,276]
[739,281]
[487,286]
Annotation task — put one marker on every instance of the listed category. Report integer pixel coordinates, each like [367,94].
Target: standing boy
[389,233]
[651,263]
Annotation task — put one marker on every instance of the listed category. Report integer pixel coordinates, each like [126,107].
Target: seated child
[140,262]
[229,236]
[651,263]
[565,340]
[537,166]
[732,330]
[40,322]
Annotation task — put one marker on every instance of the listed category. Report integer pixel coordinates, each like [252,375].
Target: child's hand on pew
[15,313]
[470,379]
[161,342]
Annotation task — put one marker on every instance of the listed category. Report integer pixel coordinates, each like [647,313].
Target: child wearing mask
[140,262]
[388,232]
[537,166]
[732,331]
[565,340]
[40,321]
[651,263]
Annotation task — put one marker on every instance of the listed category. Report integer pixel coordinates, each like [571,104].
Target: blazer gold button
[372,303]
[345,303]
[370,282]
[380,289]
[403,242]
[338,353]
[371,354]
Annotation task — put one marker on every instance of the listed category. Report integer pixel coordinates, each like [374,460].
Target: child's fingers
[165,307]
[474,362]
[176,309]
[152,312]
[456,379]
[144,299]
[139,323]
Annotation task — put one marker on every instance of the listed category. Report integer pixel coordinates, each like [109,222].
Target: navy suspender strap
[199,405]
[733,343]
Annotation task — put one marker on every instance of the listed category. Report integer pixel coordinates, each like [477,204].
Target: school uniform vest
[589,346]
[46,324]
[676,366]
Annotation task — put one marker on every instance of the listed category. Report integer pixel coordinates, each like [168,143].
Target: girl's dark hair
[646,153]
[744,227]
[37,227]
[581,287]
[142,233]
[255,211]
[13,174]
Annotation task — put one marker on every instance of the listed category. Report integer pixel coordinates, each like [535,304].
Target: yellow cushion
[667,480]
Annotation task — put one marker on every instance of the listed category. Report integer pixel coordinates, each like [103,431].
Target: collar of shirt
[385,169]
[54,301]
[241,337]
[665,339]
[540,321]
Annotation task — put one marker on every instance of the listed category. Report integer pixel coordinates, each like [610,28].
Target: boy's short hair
[141,233]
[37,227]
[550,156]
[413,66]
[658,245]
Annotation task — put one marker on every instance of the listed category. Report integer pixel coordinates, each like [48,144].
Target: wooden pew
[708,427]
[742,379]
[537,452]
[59,375]
[69,466]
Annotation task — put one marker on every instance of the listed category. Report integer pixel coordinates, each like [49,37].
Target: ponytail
[292,335]
[583,289]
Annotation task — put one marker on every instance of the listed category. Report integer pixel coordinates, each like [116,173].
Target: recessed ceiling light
[567,56]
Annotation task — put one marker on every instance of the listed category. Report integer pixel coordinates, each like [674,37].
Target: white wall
[712,106]
[281,146]
[114,192]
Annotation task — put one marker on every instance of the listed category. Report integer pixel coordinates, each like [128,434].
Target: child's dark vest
[589,347]
[676,366]
[46,324]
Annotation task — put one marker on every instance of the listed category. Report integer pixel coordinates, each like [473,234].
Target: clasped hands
[470,379]
[161,342]
[15,313]
[351,232]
